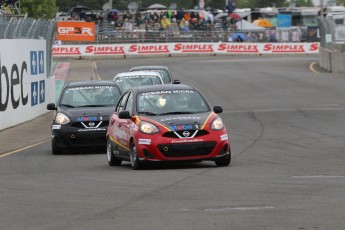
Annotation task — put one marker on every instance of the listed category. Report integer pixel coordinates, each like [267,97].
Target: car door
[123,125]
[118,127]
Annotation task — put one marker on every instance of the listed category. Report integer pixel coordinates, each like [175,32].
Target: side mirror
[217,109]
[51,106]
[124,115]
[176,81]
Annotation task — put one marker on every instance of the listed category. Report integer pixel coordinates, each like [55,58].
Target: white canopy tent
[243,25]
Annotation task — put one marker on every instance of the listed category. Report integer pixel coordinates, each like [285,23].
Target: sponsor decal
[149,49]
[66,50]
[224,137]
[186,141]
[183,127]
[56,126]
[92,130]
[239,48]
[82,119]
[144,141]
[180,118]
[194,48]
[109,49]
[120,133]
[281,48]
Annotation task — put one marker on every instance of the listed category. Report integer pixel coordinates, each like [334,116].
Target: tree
[39,8]
[341,2]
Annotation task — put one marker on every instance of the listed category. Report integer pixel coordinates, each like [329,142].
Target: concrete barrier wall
[25,88]
[337,62]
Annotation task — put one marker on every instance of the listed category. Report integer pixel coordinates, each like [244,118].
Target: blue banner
[284,20]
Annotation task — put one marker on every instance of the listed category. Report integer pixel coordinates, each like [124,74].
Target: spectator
[165,22]
[184,25]
[224,23]
[155,17]
[230,7]
[127,27]
[137,17]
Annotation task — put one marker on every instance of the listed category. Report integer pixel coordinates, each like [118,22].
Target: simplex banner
[185,48]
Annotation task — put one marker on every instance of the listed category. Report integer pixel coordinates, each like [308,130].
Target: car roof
[149,67]
[148,88]
[136,73]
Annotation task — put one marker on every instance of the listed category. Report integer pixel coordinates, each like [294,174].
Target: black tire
[224,161]
[112,160]
[135,163]
[56,150]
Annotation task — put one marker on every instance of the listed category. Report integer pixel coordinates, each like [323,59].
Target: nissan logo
[185,133]
[92,124]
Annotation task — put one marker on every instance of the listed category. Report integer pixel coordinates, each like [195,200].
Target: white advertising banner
[184,48]
[23,80]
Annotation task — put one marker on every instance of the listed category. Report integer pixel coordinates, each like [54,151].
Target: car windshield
[128,82]
[171,102]
[90,96]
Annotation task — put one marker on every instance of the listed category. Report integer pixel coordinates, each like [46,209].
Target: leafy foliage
[39,8]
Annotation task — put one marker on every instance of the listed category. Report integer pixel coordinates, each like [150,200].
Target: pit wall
[179,49]
[25,85]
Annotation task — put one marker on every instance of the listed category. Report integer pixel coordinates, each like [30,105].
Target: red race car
[171,122]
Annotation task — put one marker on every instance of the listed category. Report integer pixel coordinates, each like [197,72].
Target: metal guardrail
[22,27]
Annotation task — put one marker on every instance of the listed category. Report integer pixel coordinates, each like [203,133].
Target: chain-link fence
[22,27]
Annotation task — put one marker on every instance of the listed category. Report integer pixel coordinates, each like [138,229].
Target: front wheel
[112,161]
[55,149]
[224,161]
[135,163]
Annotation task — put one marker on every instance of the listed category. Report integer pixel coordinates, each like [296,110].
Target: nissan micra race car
[82,115]
[171,122]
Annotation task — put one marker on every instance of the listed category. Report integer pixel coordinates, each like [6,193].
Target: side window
[122,103]
[129,105]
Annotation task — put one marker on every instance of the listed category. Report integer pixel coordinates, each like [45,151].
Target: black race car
[82,114]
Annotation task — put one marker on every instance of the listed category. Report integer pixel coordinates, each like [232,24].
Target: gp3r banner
[75,31]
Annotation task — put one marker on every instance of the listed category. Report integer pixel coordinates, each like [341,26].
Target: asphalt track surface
[286,123]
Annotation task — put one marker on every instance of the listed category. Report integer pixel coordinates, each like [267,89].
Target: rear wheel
[224,161]
[135,163]
[112,161]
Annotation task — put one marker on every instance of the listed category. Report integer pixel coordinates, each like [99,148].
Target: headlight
[217,124]
[61,119]
[148,128]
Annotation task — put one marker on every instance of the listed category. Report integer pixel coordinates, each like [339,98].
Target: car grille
[187,149]
[176,134]
[90,124]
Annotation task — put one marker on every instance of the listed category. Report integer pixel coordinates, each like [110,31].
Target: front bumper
[69,137]
[212,147]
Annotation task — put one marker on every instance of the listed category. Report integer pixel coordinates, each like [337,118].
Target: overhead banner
[75,31]
[185,48]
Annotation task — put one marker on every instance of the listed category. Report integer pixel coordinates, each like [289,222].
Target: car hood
[184,121]
[88,113]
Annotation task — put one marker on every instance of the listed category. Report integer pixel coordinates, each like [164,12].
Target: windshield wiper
[67,105]
[148,113]
[89,106]
[172,113]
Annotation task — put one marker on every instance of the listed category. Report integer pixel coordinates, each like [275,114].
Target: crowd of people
[184,21]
